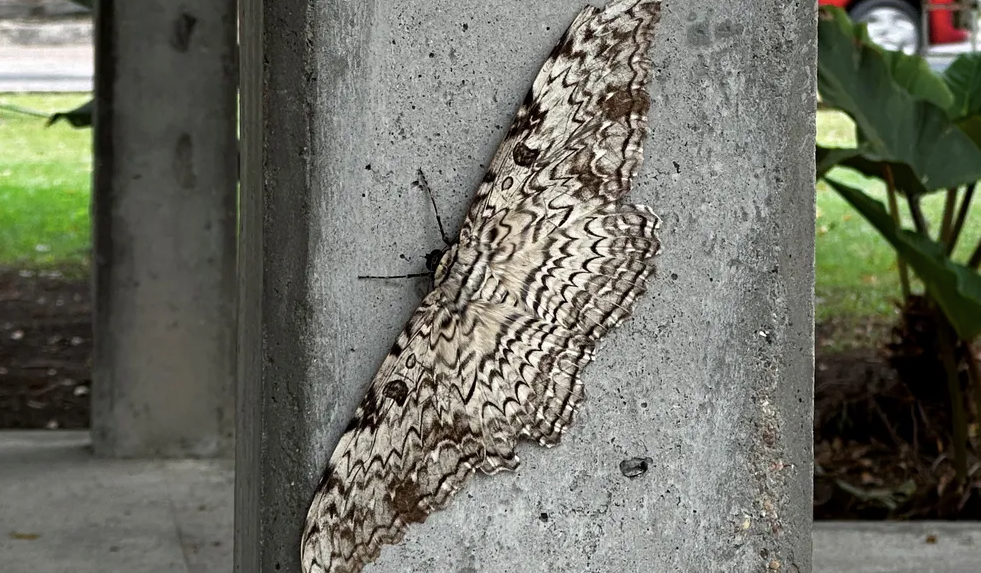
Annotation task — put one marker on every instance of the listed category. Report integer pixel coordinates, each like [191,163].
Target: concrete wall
[712,379]
[164,228]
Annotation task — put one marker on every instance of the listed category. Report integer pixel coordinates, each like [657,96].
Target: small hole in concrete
[635,467]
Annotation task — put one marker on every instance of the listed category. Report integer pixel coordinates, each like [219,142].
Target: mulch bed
[45,350]
[880,452]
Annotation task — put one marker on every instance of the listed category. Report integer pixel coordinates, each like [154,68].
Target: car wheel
[892,24]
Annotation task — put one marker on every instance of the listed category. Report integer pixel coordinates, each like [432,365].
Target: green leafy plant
[919,132]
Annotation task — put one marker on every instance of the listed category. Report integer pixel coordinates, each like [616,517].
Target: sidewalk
[46,69]
[61,510]
[52,56]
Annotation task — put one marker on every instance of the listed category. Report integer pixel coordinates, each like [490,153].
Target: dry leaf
[24,536]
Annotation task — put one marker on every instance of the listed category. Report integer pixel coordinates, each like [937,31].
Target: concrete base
[890,547]
[63,510]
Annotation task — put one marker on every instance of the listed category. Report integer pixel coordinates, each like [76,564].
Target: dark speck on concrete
[635,467]
[180,38]
[699,34]
[728,29]
[183,164]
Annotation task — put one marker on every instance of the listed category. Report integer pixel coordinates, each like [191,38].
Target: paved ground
[918,547]
[61,510]
[46,69]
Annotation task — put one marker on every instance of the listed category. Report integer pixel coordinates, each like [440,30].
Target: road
[46,68]
[69,67]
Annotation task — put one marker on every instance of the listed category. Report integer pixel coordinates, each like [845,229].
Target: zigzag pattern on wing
[585,274]
[577,136]
[446,402]
[546,263]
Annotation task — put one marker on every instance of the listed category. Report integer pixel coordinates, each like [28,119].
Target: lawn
[45,183]
[856,273]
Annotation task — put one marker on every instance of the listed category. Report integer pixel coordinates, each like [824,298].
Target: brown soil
[45,350]
[881,444]
[879,452]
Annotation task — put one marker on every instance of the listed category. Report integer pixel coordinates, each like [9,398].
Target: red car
[896,24]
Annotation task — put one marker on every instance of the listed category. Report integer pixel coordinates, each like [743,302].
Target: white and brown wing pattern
[548,260]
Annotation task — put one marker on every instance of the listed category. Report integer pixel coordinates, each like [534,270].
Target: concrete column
[712,379]
[164,216]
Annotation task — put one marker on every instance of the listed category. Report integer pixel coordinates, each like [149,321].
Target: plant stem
[919,221]
[959,222]
[974,375]
[946,340]
[23,110]
[894,211]
[947,221]
[975,259]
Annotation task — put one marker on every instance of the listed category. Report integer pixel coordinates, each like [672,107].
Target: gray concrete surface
[164,225]
[712,378]
[912,547]
[61,509]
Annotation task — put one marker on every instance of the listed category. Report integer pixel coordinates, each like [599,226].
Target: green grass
[44,211]
[856,272]
[45,180]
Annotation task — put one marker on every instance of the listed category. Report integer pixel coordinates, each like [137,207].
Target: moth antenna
[422,182]
[409,276]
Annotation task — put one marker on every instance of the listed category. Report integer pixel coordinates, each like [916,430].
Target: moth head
[432,260]
[439,261]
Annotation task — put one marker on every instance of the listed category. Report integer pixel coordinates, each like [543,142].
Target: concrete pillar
[712,379]
[164,216]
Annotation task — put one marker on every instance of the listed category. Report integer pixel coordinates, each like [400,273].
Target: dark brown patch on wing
[620,104]
[406,496]
[581,166]
[396,390]
[524,155]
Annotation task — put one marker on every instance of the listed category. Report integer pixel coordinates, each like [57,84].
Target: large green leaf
[971,126]
[914,74]
[828,157]
[896,123]
[81,116]
[963,79]
[858,159]
[956,288]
